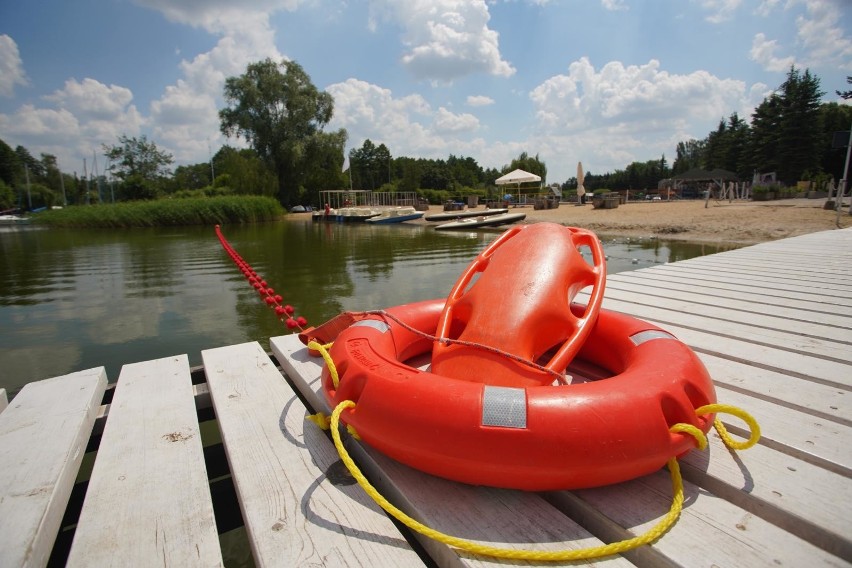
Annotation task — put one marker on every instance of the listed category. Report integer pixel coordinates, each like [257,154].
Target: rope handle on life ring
[648,537]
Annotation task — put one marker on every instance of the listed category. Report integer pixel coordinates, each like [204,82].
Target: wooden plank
[660,278]
[775,283]
[512,519]
[711,531]
[804,265]
[798,269]
[804,436]
[831,323]
[818,400]
[4,402]
[743,344]
[148,500]
[813,339]
[43,436]
[299,505]
[801,498]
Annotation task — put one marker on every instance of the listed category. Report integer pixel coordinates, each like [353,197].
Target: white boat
[482,221]
[395,215]
[451,215]
[13,220]
[345,214]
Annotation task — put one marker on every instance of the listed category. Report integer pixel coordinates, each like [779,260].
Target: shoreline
[720,222]
[740,222]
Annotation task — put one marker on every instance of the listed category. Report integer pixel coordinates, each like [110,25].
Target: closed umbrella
[581,191]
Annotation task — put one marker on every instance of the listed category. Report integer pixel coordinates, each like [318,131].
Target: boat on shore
[346,214]
[13,220]
[482,221]
[452,215]
[395,215]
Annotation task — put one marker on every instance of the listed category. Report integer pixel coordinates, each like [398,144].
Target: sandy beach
[744,222]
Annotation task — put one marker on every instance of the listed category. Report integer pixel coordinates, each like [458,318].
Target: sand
[742,222]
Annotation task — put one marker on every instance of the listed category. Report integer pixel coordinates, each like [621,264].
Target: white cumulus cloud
[407,125]
[11,67]
[614,5]
[79,118]
[479,100]
[822,37]
[624,113]
[445,39]
[185,117]
[720,10]
[446,121]
[218,16]
[763,52]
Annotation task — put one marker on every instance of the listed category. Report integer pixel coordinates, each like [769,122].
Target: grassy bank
[165,212]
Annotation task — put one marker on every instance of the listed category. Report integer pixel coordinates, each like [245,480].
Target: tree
[687,156]
[35,169]
[8,199]
[845,94]
[277,109]
[834,118]
[323,166]
[528,164]
[140,165]
[195,176]
[801,132]
[764,135]
[10,164]
[371,165]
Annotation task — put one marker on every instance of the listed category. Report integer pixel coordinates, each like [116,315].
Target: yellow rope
[323,350]
[754,427]
[652,535]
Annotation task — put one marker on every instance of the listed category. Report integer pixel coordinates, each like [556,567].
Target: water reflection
[72,300]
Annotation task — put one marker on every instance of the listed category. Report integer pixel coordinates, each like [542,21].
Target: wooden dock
[181,468]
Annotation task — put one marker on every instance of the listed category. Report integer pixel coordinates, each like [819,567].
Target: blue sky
[605,82]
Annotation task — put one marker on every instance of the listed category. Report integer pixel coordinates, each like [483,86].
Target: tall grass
[165,212]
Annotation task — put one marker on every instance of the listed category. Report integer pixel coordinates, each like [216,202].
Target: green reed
[165,212]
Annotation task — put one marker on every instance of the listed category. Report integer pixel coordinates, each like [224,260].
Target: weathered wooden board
[775,285]
[299,506]
[711,531]
[678,313]
[810,438]
[801,498]
[705,337]
[148,501]
[827,402]
[675,277]
[833,324]
[512,519]
[43,436]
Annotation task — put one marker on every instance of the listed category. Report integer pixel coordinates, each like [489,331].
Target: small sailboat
[482,221]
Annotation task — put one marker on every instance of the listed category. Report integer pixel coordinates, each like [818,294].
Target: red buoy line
[284,312]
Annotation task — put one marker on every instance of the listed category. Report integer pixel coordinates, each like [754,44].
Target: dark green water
[73,300]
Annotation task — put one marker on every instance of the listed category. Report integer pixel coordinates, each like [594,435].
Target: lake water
[77,299]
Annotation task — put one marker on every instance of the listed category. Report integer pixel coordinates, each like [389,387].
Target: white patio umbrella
[517,177]
[581,177]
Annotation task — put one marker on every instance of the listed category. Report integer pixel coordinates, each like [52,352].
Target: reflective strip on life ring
[524,437]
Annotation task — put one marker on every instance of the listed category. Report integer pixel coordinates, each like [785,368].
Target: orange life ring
[492,409]
[540,437]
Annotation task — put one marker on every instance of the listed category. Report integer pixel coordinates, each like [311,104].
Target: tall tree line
[282,115]
[790,134]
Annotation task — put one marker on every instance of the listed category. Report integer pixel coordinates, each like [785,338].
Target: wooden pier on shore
[179,467]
